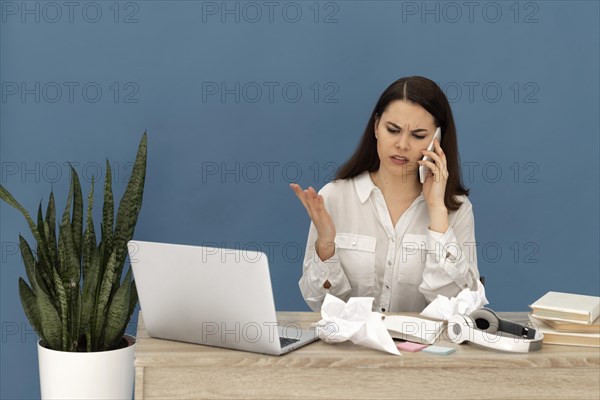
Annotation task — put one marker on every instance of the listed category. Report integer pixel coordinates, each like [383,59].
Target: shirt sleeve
[451,260]
[315,272]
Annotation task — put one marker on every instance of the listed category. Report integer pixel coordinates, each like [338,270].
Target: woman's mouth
[400,160]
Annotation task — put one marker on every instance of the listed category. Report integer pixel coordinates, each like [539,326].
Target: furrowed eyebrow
[398,127]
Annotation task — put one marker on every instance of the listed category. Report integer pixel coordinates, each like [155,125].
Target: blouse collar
[364,187]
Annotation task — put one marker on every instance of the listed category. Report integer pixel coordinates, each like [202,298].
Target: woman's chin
[407,170]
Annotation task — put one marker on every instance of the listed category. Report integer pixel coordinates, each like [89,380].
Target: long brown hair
[426,93]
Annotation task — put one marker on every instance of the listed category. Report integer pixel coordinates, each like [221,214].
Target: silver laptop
[211,296]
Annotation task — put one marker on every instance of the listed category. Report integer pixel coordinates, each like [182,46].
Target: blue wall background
[241,98]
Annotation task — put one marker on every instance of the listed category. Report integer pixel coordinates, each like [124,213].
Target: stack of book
[567,318]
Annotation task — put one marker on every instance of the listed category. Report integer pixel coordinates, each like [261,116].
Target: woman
[376,231]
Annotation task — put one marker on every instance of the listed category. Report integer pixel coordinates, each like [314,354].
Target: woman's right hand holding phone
[315,207]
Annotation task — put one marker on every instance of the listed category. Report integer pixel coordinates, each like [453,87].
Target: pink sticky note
[410,346]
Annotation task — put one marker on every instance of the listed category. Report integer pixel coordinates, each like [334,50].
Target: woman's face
[402,131]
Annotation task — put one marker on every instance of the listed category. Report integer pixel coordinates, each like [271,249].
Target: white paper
[354,321]
[464,303]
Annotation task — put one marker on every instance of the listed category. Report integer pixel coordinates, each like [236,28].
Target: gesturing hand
[324,225]
[315,208]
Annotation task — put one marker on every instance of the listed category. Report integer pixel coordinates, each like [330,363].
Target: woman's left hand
[434,187]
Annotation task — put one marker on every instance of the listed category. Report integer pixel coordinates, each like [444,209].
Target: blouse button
[389,263]
[353,243]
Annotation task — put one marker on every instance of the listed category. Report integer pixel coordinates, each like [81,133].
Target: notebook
[211,296]
[413,329]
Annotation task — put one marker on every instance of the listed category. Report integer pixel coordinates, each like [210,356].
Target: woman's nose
[402,142]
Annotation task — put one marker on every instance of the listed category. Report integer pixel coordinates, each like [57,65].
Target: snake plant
[76,299]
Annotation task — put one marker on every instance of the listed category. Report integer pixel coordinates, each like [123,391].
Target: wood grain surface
[174,370]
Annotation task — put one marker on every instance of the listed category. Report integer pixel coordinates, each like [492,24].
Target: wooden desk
[172,370]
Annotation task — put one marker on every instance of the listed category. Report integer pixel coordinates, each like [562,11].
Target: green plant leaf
[69,254]
[51,214]
[118,313]
[50,320]
[28,259]
[70,269]
[30,306]
[103,297]
[108,216]
[69,280]
[130,205]
[42,260]
[50,228]
[91,268]
[77,221]
[67,212]
[133,298]
[10,200]
[65,220]
[40,226]
[89,244]
[88,340]
[52,246]
[42,279]
[75,316]
[89,237]
[103,250]
[90,289]
[63,310]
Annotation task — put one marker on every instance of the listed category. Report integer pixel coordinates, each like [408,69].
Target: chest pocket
[357,258]
[412,259]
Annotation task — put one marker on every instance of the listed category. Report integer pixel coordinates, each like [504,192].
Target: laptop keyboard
[284,341]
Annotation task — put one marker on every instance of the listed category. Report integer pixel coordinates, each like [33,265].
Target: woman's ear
[375,124]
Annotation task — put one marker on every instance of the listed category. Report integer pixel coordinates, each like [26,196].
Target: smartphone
[423,169]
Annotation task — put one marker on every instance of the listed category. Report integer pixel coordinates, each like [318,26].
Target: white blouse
[403,267]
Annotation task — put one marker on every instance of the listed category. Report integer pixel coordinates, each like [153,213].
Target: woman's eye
[419,137]
[390,130]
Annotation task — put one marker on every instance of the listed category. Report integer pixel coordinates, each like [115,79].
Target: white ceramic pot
[97,375]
